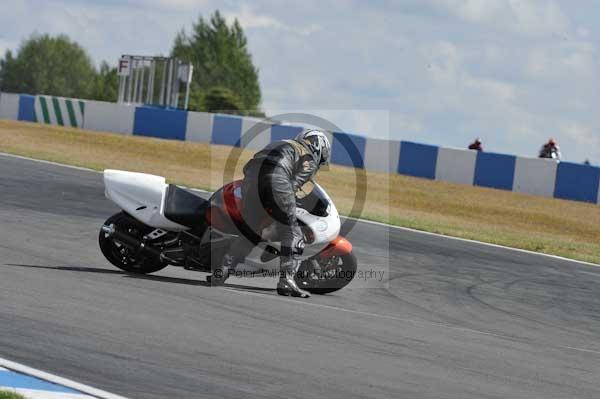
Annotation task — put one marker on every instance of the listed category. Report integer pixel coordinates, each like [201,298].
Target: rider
[476,145]
[271,179]
[551,147]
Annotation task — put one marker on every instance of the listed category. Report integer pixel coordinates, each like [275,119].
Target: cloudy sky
[514,72]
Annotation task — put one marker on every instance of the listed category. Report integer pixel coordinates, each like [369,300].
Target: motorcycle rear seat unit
[185,207]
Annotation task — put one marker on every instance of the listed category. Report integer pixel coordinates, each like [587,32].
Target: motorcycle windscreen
[314,201]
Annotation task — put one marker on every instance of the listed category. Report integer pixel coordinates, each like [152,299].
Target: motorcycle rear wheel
[336,273]
[122,256]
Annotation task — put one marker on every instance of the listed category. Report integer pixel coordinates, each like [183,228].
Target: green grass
[558,227]
[4,394]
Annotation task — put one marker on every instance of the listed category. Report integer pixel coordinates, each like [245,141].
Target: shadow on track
[171,280]
[67,268]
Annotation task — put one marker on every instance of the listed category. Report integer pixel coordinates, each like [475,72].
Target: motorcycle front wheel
[323,276]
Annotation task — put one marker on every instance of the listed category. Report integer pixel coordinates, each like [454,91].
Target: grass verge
[4,394]
[558,227]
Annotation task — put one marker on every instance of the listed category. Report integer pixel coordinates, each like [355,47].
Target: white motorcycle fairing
[143,196]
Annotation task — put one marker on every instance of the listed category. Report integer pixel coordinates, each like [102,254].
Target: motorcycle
[552,153]
[163,224]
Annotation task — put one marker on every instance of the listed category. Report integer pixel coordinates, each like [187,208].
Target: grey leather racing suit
[271,179]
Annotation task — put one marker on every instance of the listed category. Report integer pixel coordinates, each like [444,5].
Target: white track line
[4,154]
[20,368]
[524,251]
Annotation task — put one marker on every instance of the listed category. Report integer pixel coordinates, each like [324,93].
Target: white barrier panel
[535,176]
[109,117]
[59,111]
[382,155]
[199,127]
[9,106]
[455,166]
[261,133]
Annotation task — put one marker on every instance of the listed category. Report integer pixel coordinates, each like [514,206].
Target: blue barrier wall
[227,130]
[284,132]
[417,160]
[26,106]
[540,177]
[348,150]
[577,182]
[160,123]
[494,170]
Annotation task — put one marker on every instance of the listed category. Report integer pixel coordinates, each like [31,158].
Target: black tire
[334,277]
[122,256]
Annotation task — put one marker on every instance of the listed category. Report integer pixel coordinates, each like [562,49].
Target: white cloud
[533,17]
[476,10]
[251,19]
[498,91]
[447,69]
[582,33]
[7,45]
[563,61]
[407,123]
[184,5]
[539,17]
[582,135]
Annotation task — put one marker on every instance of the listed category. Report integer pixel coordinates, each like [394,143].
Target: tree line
[225,78]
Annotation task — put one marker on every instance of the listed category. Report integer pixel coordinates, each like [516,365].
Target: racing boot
[287,285]
[222,273]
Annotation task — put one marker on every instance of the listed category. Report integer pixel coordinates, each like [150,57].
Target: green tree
[220,99]
[221,59]
[48,65]
[106,84]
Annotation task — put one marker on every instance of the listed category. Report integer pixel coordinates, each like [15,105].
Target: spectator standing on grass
[550,150]
[476,145]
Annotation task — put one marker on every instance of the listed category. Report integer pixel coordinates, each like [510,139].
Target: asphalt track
[451,319]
